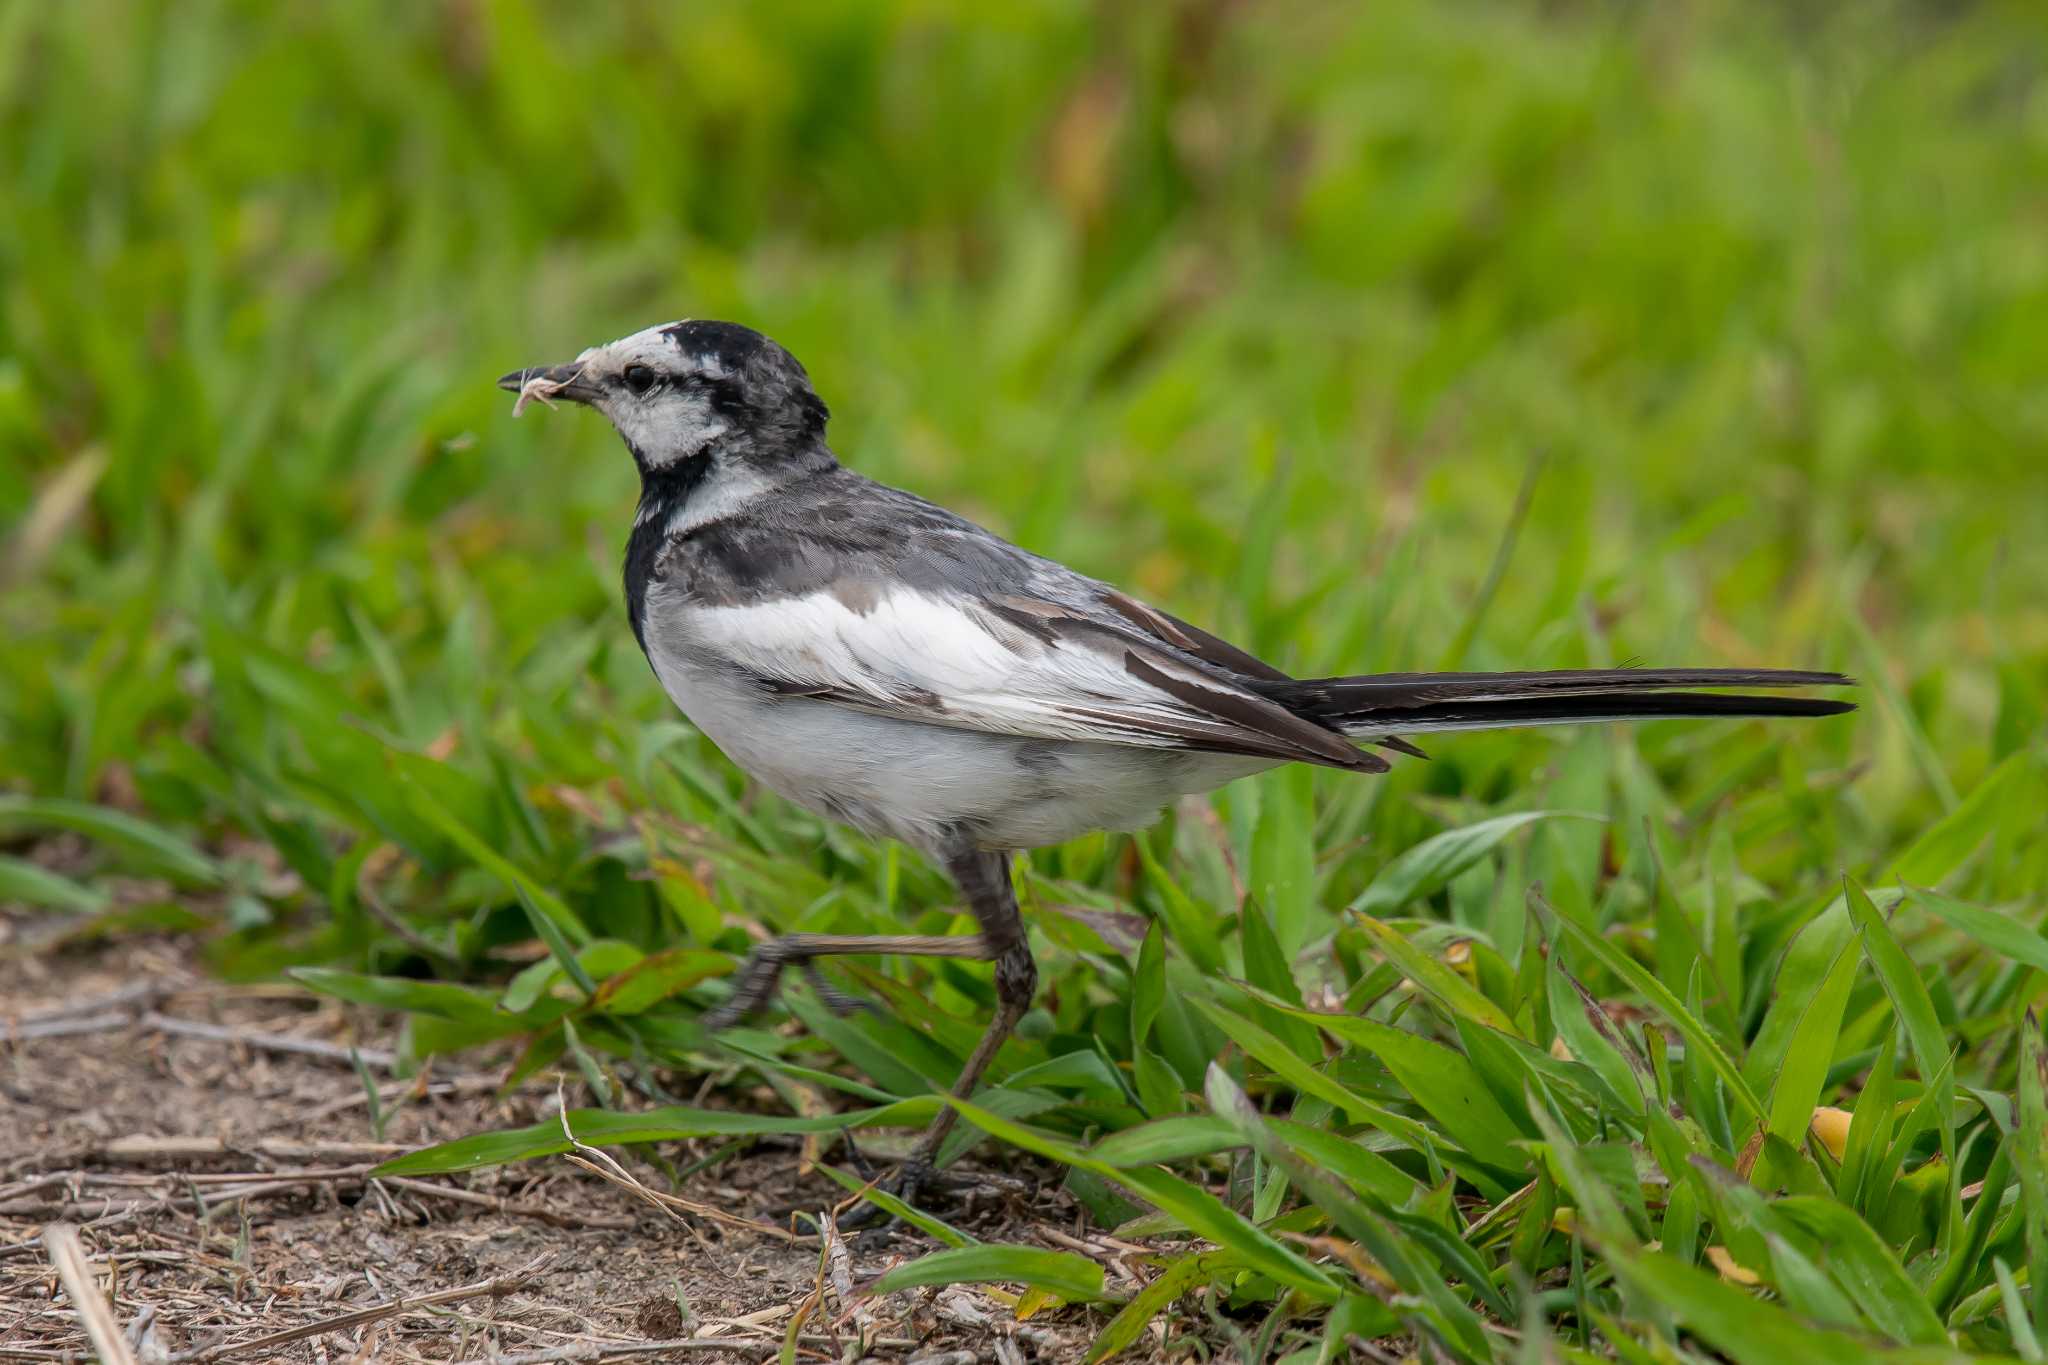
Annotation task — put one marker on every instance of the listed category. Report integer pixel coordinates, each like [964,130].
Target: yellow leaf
[1034,1300]
[1730,1271]
[1831,1126]
[1350,1253]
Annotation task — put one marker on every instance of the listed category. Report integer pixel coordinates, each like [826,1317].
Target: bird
[890,665]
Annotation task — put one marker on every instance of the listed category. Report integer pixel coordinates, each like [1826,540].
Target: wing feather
[1014,665]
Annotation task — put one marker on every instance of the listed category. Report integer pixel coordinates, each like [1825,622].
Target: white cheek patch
[667,430]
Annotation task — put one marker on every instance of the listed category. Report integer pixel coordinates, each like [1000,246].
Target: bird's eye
[639,378]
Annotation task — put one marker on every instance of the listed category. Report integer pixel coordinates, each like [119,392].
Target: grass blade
[1428,867]
[1960,1269]
[140,842]
[1591,1036]
[2017,1322]
[1803,1075]
[1163,1140]
[1281,1060]
[1447,1086]
[1950,841]
[21,880]
[1444,1083]
[1074,1278]
[888,1203]
[443,999]
[1870,1128]
[1198,1210]
[1901,982]
[1357,1165]
[541,903]
[1858,1260]
[2030,1155]
[1451,992]
[1192,925]
[2002,934]
[654,979]
[1665,1003]
[1175,1279]
[1413,1270]
[1736,1323]
[1802,967]
[608,1128]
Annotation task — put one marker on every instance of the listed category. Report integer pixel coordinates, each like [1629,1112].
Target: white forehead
[654,346]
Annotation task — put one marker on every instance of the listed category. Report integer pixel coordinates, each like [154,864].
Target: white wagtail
[883,662]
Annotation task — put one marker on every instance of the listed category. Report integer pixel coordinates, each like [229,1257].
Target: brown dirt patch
[221,1192]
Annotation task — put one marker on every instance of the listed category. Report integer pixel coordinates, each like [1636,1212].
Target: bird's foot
[912,1178]
[755,983]
[834,999]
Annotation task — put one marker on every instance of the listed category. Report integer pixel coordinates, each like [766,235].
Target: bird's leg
[755,981]
[984,878]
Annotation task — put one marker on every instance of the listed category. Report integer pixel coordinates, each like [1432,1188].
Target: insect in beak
[544,383]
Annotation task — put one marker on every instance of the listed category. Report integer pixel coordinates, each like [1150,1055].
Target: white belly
[917,782]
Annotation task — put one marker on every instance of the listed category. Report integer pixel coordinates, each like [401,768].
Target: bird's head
[703,393]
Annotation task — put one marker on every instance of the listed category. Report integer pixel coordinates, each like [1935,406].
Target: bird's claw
[834,999]
[757,981]
[911,1178]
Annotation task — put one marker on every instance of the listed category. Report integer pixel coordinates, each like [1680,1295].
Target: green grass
[1265,312]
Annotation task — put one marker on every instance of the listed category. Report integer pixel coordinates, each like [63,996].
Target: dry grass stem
[67,1027]
[67,1254]
[272,1042]
[601,1164]
[620,1350]
[497,1285]
[559,1217]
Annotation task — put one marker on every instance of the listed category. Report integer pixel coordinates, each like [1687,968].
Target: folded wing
[1012,664]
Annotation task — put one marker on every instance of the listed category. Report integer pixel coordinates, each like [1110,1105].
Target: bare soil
[221,1189]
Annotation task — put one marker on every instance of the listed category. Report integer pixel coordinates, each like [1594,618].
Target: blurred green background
[1387,336]
[1263,310]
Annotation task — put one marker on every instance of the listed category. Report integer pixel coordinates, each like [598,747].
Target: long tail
[1380,706]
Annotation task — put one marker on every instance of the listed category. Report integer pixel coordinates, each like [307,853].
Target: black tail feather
[1379,705]
[1332,698]
[1584,708]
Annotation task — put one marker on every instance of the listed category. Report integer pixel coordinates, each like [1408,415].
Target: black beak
[556,381]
